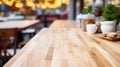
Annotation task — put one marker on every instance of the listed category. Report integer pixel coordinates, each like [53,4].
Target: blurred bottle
[98,7]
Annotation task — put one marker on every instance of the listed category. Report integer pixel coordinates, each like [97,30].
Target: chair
[5,42]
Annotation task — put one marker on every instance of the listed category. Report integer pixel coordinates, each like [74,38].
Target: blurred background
[52,9]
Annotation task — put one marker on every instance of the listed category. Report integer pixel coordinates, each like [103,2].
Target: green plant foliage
[87,10]
[110,12]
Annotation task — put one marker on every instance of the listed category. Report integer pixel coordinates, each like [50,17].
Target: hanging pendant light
[8,2]
[43,6]
[18,4]
[0,2]
[53,3]
[38,5]
[30,3]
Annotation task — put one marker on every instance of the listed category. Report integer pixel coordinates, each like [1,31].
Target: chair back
[5,42]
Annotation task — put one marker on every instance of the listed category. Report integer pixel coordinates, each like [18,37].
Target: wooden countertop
[63,47]
[63,24]
[20,24]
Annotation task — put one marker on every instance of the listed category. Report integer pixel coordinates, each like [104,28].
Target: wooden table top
[20,24]
[63,24]
[63,47]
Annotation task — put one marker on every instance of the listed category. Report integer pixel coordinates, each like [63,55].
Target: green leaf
[110,12]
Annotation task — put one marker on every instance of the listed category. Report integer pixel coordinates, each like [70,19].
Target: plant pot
[115,25]
[107,26]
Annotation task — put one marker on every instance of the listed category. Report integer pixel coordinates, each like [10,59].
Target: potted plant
[87,9]
[110,13]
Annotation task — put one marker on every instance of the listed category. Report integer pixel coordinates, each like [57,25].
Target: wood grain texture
[63,47]
[63,24]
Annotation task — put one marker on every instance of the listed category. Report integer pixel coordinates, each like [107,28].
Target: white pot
[107,26]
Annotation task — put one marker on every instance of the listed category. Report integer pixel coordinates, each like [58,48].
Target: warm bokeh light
[38,5]
[30,3]
[8,2]
[53,3]
[65,2]
[18,4]
[43,6]
[0,2]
